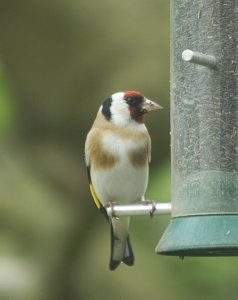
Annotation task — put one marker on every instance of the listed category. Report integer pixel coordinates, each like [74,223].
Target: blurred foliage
[6,111]
[59,60]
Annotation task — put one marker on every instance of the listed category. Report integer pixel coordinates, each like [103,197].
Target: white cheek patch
[120,114]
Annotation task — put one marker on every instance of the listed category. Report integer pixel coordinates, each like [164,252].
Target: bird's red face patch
[134,100]
[133,94]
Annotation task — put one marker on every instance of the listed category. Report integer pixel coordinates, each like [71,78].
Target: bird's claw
[149,202]
[153,209]
[111,205]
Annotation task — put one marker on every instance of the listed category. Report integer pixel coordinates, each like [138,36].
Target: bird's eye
[131,100]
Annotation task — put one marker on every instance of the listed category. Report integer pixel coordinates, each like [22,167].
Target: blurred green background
[58,61]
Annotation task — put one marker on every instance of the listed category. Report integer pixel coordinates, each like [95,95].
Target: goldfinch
[117,153]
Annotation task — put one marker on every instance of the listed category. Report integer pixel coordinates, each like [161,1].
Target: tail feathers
[121,251]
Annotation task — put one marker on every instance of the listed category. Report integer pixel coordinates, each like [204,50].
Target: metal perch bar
[199,58]
[139,209]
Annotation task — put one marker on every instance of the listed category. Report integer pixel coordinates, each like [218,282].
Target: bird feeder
[204,129]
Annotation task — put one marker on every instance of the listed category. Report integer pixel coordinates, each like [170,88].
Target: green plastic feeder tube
[204,129]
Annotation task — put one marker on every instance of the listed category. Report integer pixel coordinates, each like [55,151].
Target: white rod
[199,58]
[139,209]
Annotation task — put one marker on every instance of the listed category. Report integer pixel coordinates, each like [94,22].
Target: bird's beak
[149,105]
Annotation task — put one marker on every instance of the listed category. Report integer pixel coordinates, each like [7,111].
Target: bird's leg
[111,205]
[149,202]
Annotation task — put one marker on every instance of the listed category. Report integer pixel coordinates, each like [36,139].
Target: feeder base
[202,235]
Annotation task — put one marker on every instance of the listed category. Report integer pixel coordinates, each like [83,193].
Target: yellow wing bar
[95,199]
